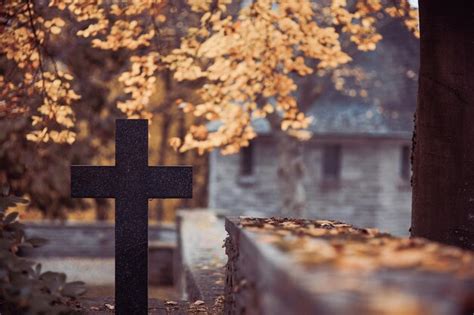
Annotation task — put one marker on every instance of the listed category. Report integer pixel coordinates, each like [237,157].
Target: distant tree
[252,61]
[39,166]
[245,62]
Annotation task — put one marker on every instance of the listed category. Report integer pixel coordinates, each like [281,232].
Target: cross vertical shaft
[131,138]
[131,218]
[131,256]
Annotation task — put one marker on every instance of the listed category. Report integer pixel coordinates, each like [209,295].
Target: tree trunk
[165,129]
[290,172]
[165,122]
[443,166]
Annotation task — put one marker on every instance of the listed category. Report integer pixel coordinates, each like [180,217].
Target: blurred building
[358,161]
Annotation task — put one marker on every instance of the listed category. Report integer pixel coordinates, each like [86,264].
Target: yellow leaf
[55,30]
[175,143]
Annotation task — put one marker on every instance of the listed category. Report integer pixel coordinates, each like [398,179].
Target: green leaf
[15,230]
[5,244]
[5,190]
[11,201]
[37,241]
[25,245]
[74,289]
[22,265]
[53,281]
[27,290]
[11,217]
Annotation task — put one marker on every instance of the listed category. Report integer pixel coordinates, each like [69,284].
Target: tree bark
[291,165]
[291,171]
[443,166]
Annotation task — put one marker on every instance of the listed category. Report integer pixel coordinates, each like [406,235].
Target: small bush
[24,287]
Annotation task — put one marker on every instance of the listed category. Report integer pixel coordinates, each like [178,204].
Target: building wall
[369,193]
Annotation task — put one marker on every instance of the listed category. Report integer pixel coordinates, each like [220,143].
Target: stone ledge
[201,256]
[76,239]
[302,267]
[89,249]
[105,305]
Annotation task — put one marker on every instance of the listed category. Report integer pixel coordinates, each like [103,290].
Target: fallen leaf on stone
[268,238]
[283,232]
[316,231]
[340,245]
[356,263]
[110,306]
[268,226]
[389,301]
[371,231]
[325,223]
[402,259]
[289,225]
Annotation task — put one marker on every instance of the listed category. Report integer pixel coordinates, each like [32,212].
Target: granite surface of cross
[131,182]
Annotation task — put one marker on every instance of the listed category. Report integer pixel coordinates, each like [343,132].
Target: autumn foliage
[247,60]
[243,60]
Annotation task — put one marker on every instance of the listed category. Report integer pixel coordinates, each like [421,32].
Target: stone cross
[131,182]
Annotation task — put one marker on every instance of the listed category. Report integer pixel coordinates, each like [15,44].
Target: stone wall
[370,192]
[85,251]
[75,239]
[293,267]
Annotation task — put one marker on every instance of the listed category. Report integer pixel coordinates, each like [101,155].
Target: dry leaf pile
[316,242]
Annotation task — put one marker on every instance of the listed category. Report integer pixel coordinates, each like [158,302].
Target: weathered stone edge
[271,284]
[266,284]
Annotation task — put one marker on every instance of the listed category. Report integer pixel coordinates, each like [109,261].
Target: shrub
[24,287]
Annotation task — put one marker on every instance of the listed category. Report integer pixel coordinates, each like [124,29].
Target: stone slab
[201,255]
[75,239]
[85,251]
[105,305]
[283,268]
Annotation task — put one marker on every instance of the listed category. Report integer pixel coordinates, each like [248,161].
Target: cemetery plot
[282,266]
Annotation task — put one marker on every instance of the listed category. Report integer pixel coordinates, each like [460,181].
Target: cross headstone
[131,182]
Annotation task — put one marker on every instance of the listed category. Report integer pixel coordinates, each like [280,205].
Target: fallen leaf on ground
[110,306]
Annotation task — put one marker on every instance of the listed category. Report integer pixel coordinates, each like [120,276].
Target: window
[246,160]
[331,162]
[405,171]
